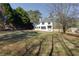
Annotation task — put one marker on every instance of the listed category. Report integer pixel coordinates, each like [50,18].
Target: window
[43,27]
[42,22]
[49,26]
[48,22]
[39,27]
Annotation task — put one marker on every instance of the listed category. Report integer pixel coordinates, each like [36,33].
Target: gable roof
[46,20]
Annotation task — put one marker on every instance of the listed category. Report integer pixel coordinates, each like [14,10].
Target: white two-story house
[45,25]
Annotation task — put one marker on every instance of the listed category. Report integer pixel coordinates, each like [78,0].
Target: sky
[42,7]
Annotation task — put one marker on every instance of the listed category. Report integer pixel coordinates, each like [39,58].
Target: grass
[25,43]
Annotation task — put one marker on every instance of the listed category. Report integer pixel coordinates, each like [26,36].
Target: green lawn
[34,43]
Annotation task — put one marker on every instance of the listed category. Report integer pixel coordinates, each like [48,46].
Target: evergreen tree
[21,19]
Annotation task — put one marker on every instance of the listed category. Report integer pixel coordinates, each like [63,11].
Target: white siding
[46,25]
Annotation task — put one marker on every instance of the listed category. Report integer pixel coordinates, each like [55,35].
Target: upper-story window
[48,22]
[42,22]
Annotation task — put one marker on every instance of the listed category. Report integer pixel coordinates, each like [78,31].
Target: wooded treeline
[65,15]
[17,19]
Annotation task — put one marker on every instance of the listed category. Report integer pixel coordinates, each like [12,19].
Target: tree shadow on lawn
[30,33]
[17,37]
[32,48]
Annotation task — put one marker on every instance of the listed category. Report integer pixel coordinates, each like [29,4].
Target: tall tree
[64,13]
[1,18]
[34,16]
[23,15]
[8,16]
[7,12]
[21,19]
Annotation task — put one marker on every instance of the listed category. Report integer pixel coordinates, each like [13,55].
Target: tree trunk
[64,29]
